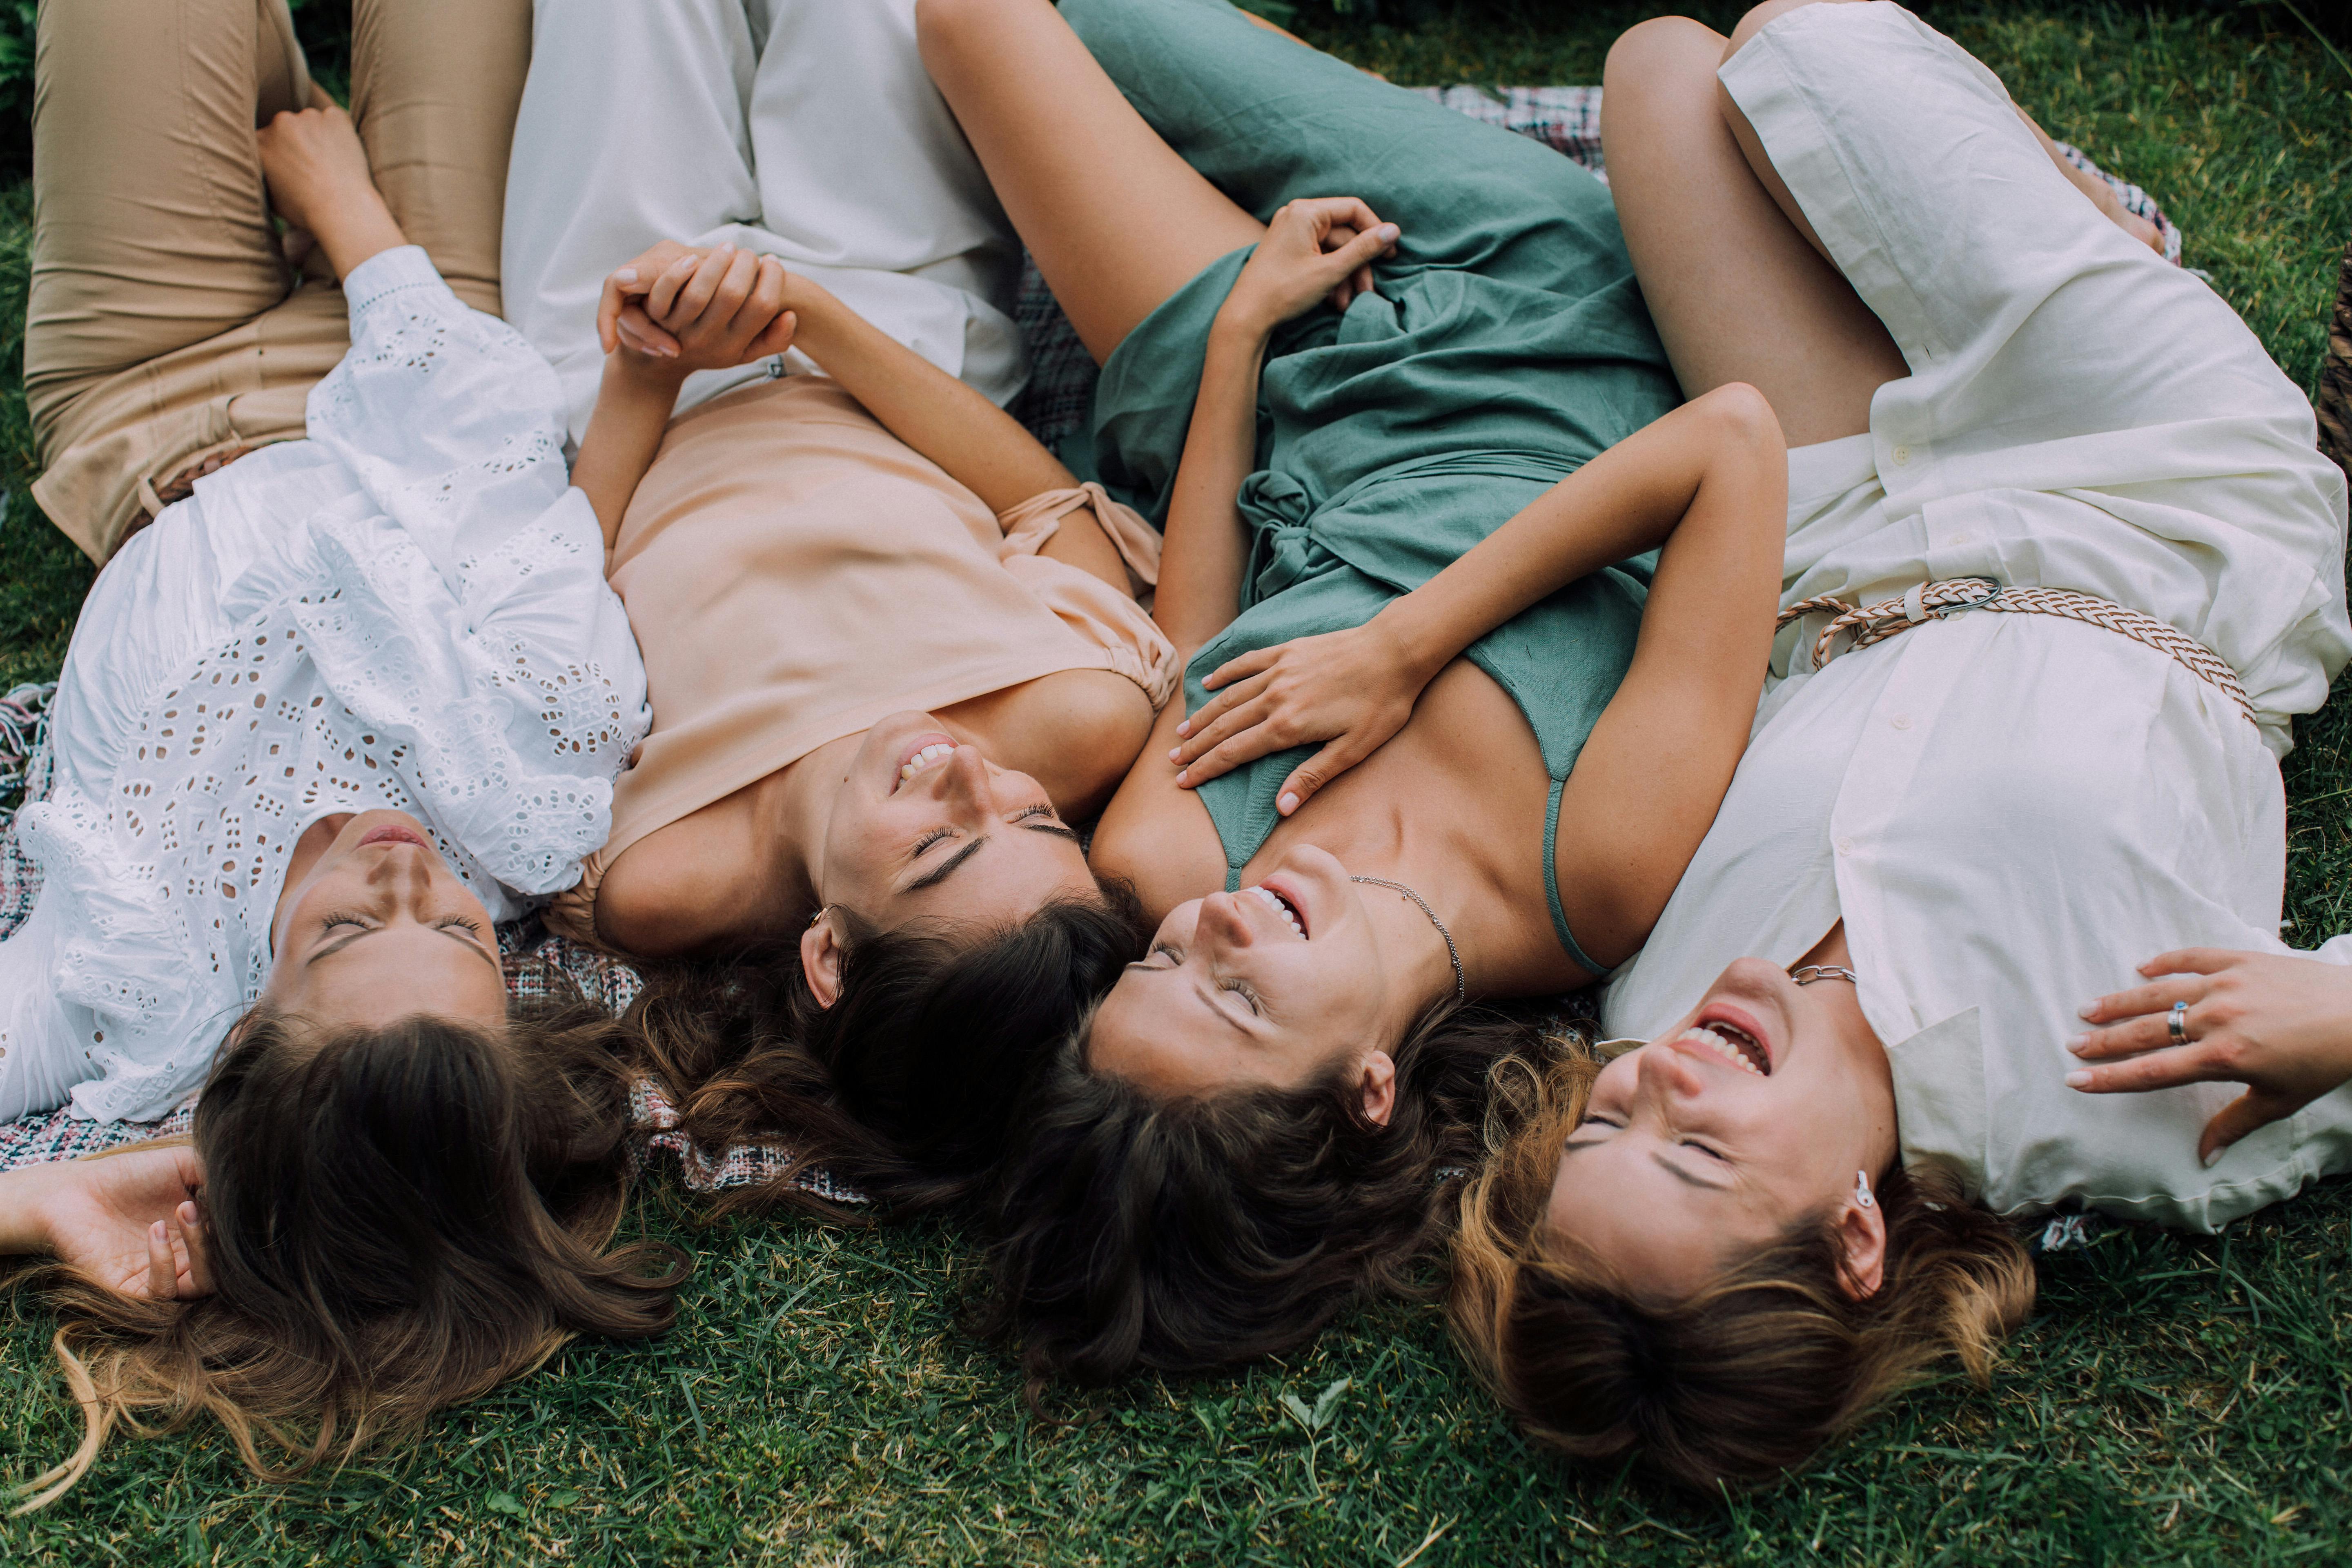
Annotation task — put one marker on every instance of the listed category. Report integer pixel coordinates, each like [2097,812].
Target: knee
[1659,49]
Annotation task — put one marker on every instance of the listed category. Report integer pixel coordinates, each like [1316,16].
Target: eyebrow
[934,878]
[467,942]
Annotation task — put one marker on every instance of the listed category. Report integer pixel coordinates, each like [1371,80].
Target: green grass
[2175,1399]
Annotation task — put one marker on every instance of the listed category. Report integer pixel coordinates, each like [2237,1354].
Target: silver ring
[2177,1023]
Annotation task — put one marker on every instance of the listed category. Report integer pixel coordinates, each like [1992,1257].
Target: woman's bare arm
[1151,833]
[1666,484]
[1654,772]
[978,444]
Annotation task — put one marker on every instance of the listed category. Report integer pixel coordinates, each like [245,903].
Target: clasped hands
[684,308]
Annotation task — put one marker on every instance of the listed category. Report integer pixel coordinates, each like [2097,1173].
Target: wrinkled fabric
[2011,813]
[407,610]
[1506,345]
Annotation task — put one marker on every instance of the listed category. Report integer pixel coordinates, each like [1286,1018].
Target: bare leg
[1116,219]
[1736,281]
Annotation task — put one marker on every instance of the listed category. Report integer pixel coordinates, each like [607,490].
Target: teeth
[924,759]
[1273,901]
[1723,1046]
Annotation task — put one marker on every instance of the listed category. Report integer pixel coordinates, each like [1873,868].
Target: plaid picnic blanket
[1055,404]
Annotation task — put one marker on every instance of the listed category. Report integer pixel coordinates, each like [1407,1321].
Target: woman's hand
[2280,1025]
[129,1221]
[319,182]
[696,310]
[1317,248]
[1352,688]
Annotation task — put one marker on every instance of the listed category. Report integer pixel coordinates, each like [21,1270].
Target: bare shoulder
[1165,846]
[687,888]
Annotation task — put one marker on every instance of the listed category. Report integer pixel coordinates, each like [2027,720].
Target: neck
[1420,971]
[796,805]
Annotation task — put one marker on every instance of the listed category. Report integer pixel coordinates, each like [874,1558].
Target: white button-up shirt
[2011,812]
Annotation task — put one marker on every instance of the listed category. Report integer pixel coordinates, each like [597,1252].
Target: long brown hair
[1751,1376]
[904,1089]
[398,1219]
[1189,1234]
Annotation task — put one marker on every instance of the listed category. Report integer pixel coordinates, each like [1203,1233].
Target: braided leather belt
[1954,595]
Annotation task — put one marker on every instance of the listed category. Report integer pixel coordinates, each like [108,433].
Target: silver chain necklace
[1461,990]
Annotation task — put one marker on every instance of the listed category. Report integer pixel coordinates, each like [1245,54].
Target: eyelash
[331,921]
[1245,992]
[933,836]
[1704,1149]
[1028,811]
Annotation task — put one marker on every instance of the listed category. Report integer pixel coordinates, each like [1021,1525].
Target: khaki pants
[164,326]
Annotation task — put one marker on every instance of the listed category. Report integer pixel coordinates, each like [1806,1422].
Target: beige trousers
[164,327]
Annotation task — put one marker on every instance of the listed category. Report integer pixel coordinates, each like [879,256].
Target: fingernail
[1175,753]
[1182,775]
[626,274]
[2215,1157]
[2078,1043]
[2087,1010]
[1387,231]
[1289,803]
[2078,1080]
[1184,727]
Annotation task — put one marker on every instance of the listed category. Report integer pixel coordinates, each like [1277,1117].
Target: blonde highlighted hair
[1751,1376]
[398,1219]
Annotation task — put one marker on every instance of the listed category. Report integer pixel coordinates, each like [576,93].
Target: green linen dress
[1506,345]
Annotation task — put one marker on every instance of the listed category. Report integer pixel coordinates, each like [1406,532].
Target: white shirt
[405,611]
[2010,813]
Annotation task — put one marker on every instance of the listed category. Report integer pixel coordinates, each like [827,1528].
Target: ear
[821,956]
[1376,1077]
[1861,1239]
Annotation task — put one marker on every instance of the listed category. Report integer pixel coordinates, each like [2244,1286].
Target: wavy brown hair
[1751,1376]
[904,1089]
[1189,1234]
[398,1219]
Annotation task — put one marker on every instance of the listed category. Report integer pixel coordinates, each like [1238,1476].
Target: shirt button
[1845,846]
[1901,721]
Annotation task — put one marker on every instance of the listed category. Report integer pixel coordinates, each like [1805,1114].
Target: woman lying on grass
[320,725]
[893,646]
[1726,1246]
[1437,479]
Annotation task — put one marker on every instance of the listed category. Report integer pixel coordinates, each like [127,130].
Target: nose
[403,874]
[1665,1076]
[1222,925]
[964,779]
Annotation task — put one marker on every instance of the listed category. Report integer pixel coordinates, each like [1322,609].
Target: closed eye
[928,839]
[331,921]
[1050,825]
[1710,1154]
[1242,990]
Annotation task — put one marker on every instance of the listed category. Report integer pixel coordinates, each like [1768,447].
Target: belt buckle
[1993,591]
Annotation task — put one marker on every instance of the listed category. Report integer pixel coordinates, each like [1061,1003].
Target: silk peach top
[794,572]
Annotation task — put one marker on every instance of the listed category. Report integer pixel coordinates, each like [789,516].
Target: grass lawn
[2173,1400]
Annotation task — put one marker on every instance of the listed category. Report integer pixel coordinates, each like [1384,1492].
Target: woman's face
[924,827]
[1753,1113]
[1266,987]
[374,926]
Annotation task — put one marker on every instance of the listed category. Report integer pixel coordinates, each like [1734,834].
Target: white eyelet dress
[407,610]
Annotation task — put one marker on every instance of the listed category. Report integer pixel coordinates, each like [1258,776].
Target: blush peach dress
[794,572]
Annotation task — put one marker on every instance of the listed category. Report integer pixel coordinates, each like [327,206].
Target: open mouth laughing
[1733,1044]
[1289,912]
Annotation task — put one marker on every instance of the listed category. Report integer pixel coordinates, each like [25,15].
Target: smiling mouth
[1732,1043]
[935,750]
[1283,907]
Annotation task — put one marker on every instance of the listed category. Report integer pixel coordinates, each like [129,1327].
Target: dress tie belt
[1950,597]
